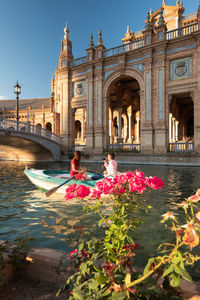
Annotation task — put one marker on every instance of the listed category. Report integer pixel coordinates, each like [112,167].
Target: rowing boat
[48,179]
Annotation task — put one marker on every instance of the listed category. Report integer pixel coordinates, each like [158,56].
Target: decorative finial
[66,32]
[161,20]
[151,11]
[163,2]
[177,3]
[128,29]
[91,44]
[100,41]
[148,23]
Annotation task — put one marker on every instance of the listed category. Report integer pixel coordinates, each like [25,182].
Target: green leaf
[101,279]
[175,280]
[93,285]
[78,294]
[118,296]
[147,268]
[128,278]
[168,271]
[185,274]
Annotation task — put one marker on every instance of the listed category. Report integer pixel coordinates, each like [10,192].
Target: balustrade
[13,125]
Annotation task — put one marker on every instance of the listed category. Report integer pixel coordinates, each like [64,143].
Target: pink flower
[73,254]
[82,191]
[154,183]
[95,194]
[194,198]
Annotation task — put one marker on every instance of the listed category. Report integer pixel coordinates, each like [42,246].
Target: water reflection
[53,223]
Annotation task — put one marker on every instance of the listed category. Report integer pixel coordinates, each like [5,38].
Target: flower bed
[104,267]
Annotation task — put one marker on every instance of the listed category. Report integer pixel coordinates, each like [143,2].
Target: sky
[31,32]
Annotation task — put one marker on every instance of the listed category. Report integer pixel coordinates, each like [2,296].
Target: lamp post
[17,91]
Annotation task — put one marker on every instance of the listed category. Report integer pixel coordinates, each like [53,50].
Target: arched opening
[181,123]
[124,111]
[77,131]
[190,127]
[48,126]
[39,125]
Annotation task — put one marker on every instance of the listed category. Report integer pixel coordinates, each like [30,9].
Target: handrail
[183,31]
[13,125]
[178,147]
[169,35]
[124,48]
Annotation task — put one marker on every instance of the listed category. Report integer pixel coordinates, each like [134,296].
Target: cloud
[3,98]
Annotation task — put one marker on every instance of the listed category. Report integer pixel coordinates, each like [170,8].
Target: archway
[181,118]
[124,111]
[39,125]
[48,126]
[78,129]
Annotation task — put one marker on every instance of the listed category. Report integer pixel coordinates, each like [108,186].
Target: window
[63,63]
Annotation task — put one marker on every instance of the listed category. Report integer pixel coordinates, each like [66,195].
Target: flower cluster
[191,230]
[119,185]
[74,191]
[77,257]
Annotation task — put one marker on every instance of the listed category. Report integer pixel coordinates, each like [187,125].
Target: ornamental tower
[66,49]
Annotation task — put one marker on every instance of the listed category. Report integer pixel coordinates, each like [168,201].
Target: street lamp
[17,91]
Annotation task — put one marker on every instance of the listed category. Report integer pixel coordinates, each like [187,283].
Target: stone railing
[183,31]
[13,125]
[124,48]
[181,147]
[124,147]
[170,35]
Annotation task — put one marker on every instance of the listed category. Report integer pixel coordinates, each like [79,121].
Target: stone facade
[36,111]
[143,95]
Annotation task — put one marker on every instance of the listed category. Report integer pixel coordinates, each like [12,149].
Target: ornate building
[140,96]
[143,95]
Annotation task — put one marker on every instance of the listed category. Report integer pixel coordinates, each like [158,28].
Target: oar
[53,190]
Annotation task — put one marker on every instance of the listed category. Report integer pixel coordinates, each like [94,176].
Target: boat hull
[48,179]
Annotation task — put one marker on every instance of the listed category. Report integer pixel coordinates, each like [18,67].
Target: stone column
[129,129]
[173,129]
[138,130]
[119,138]
[170,128]
[176,125]
[82,130]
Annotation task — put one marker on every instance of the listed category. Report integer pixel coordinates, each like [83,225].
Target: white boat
[48,179]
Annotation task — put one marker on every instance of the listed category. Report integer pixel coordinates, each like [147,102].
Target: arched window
[48,126]
[39,125]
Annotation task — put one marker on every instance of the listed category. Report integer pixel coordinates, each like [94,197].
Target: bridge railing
[13,125]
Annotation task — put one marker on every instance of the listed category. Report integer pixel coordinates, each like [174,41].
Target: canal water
[52,222]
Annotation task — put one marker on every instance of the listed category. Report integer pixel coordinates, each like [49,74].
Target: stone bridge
[24,141]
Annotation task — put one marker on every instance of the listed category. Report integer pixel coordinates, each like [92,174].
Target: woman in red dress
[76,169]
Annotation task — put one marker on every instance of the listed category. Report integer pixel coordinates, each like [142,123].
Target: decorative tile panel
[181,68]
[78,74]
[79,89]
[191,46]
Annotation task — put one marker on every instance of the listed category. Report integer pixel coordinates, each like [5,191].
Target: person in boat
[76,169]
[111,166]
